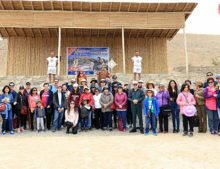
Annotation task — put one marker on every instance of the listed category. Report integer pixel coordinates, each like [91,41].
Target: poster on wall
[89,59]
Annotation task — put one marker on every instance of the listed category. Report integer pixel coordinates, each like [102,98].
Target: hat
[11,84]
[218,76]
[114,77]
[120,86]
[93,80]
[75,85]
[115,85]
[140,81]
[86,88]
[161,85]
[134,82]
[198,83]
[56,80]
[83,80]
[150,82]
[73,80]
[21,87]
[28,83]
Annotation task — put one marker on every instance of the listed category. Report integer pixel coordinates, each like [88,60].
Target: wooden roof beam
[129,36]
[2,6]
[6,31]
[23,32]
[81,5]
[12,6]
[16,34]
[148,7]
[138,32]
[161,33]
[119,7]
[129,7]
[71,6]
[90,6]
[32,6]
[158,6]
[100,7]
[185,7]
[167,33]
[42,5]
[40,32]
[61,4]
[110,8]
[21,4]
[139,6]
[48,30]
[51,3]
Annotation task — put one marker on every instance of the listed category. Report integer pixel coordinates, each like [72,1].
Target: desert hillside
[201,50]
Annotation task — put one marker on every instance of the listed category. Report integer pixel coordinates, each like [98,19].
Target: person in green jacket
[136,97]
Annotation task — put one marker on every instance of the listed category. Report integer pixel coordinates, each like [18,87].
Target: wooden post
[186,53]
[123,49]
[59,47]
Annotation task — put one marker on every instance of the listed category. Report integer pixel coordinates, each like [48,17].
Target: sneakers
[11,132]
[185,134]
[4,132]
[133,130]
[154,133]
[141,131]
[190,134]
[54,130]
[147,134]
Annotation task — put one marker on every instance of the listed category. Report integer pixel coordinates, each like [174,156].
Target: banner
[89,60]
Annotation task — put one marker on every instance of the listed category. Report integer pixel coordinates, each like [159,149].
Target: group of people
[107,105]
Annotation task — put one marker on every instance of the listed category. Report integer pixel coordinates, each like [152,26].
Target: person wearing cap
[210,94]
[151,85]
[24,106]
[103,74]
[93,83]
[163,102]
[106,101]
[175,111]
[46,96]
[88,96]
[32,100]
[209,75]
[129,113]
[218,98]
[52,63]
[151,111]
[7,118]
[59,104]
[186,101]
[136,97]
[81,77]
[200,106]
[27,88]
[121,107]
[137,65]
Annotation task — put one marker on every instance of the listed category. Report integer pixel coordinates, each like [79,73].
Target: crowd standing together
[109,105]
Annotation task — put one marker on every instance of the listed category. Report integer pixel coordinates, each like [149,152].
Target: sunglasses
[209,75]
[210,82]
[134,84]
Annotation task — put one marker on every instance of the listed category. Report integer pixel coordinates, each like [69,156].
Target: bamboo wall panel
[27,56]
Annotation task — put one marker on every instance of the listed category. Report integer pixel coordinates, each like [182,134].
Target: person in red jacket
[86,95]
[121,107]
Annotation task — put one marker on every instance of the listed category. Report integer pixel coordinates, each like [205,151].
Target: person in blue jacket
[151,111]
[7,99]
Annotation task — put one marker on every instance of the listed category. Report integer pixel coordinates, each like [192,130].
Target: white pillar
[59,50]
[186,53]
[123,49]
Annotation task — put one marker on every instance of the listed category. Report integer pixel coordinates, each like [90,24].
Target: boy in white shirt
[52,63]
[137,65]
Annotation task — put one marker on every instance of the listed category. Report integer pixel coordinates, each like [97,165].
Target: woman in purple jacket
[163,101]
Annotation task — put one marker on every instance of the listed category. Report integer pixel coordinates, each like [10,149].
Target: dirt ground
[108,150]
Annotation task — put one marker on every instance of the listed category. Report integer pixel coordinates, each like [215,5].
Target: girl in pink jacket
[186,99]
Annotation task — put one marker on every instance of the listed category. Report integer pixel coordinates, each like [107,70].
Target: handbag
[189,110]
[24,110]
[196,121]
[112,107]
[2,107]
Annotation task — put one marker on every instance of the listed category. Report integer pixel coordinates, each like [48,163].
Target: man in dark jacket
[46,97]
[60,103]
[136,97]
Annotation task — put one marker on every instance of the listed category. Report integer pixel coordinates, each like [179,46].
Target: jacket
[138,95]
[106,99]
[32,101]
[210,100]
[181,100]
[36,110]
[121,99]
[87,96]
[56,101]
[199,96]
[163,98]
[156,107]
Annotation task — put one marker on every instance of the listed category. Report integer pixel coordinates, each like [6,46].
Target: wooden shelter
[34,27]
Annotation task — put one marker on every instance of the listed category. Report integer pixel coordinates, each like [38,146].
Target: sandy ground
[108,150]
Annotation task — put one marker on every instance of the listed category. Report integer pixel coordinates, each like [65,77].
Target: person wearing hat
[106,102]
[137,65]
[93,83]
[140,85]
[46,96]
[218,98]
[151,85]
[200,106]
[70,86]
[163,98]
[121,108]
[151,111]
[103,74]
[136,97]
[59,104]
[81,77]
[89,97]
[52,63]
[23,95]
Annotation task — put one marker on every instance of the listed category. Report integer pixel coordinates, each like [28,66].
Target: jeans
[108,119]
[175,115]
[90,119]
[213,120]
[10,120]
[84,123]
[187,120]
[57,121]
[122,114]
[4,122]
[151,120]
